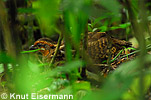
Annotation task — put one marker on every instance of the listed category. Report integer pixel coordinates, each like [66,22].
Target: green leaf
[81,89]
[111,5]
[113,9]
[135,88]
[103,28]
[114,27]
[130,48]
[116,56]
[1,68]
[46,11]
[125,25]
[94,29]
[29,51]
[117,83]
[67,68]
[82,85]
[34,67]
[133,93]
[89,28]
[4,58]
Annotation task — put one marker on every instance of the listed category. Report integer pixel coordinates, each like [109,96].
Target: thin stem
[56,50]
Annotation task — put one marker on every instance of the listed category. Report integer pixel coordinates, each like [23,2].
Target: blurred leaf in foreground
[46,12]
[67,68]
[4,58]
[118,82]
[133,93]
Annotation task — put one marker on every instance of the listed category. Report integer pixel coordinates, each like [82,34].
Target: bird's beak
[32,47]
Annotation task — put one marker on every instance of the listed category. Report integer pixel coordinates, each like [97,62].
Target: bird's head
[45,46]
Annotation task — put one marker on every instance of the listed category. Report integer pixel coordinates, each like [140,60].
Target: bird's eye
[40,45]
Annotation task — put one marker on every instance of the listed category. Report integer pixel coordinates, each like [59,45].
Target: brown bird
[100,47]
[47,48]
[45,45]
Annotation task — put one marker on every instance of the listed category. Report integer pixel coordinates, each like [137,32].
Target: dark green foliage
[71,20]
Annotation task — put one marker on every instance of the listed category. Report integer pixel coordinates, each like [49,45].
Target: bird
[100,46]
[47,47]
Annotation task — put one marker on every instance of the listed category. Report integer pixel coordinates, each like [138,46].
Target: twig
[85,42]
[100,65]
[56,50]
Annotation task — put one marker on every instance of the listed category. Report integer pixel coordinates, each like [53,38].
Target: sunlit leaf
[134,93]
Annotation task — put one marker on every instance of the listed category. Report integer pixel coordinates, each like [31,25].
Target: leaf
[135,88]
[81,85]
[133,93]
[33,67]
[111,5]
[46,11]
[103,28]
[113,8]
[1,68]
[80,89]
[4,58]
[125,25]
[130,48]
[116,56]
[67,68]
[29,51]
[117,83]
